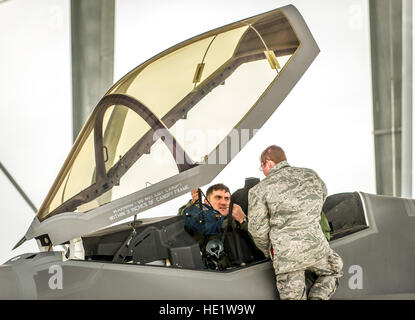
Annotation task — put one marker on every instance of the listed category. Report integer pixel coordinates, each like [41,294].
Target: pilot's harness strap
[229,220]
[236,243]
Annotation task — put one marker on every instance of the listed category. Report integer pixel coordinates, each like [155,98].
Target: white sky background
[35,109]
[325,123]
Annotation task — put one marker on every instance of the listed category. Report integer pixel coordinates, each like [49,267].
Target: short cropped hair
[273,153]
[218,186]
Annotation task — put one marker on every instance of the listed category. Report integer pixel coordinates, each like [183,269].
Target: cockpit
[165,241]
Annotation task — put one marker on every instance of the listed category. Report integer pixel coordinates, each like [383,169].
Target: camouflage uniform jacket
[285,212]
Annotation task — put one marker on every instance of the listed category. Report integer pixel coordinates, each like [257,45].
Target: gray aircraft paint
[386,257]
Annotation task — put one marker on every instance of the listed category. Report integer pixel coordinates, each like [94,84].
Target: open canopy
[163,128]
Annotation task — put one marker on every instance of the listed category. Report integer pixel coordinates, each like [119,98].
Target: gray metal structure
[378,264]
[371,233]
[407,99]
[380,257]
[391,51]
[92,35]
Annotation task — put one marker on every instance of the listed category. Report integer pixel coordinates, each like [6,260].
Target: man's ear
[206,201]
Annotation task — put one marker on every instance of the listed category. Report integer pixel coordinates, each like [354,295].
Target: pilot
[219,197]
[284,221]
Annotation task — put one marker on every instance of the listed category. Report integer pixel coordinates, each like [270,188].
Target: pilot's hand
[195,195]
[238,214]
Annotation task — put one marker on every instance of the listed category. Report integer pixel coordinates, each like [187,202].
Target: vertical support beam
[407,56]
[386,51]
[92,33]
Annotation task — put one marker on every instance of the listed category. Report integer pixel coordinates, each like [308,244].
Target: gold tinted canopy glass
[194,93]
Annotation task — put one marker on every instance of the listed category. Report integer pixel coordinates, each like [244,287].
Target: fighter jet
[154,137]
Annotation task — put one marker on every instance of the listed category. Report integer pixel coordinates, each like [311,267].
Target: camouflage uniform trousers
[292,285]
